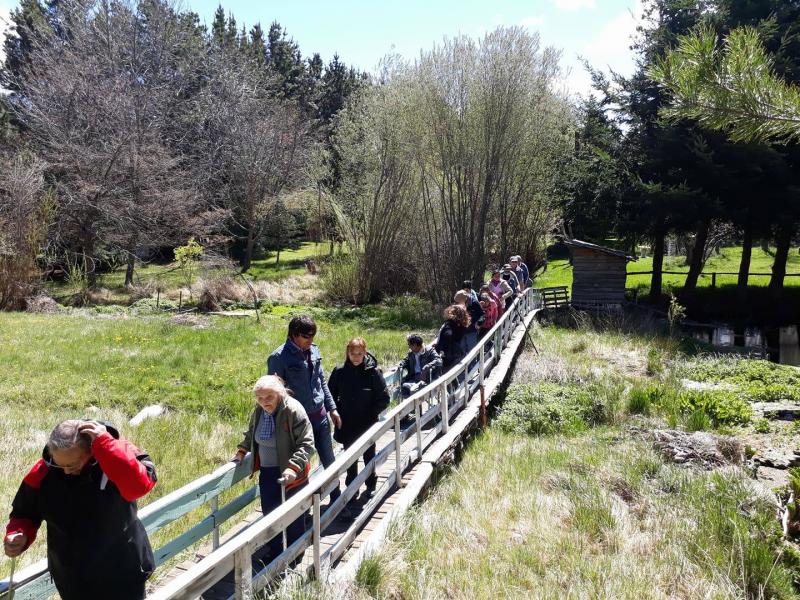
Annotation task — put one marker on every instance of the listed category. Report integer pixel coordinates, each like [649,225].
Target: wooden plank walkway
[331,535]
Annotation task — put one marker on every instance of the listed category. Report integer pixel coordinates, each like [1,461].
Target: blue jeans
[324,445]
[270,491]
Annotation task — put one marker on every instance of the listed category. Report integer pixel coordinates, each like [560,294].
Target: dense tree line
[141,128]
[639,177]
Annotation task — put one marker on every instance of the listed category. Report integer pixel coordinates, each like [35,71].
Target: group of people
[86,483]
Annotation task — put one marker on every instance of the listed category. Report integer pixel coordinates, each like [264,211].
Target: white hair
[273,383]
[67,435]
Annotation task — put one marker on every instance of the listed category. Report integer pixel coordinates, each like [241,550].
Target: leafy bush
[147,306]
[545,408]
[721,407]
[755,379]
[640,400]
[762,426]
[341,279]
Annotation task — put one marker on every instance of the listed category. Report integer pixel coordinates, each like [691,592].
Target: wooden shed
[598,274]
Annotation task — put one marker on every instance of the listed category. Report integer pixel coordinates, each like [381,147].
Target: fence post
[483,396]
[317,534]
[215,531]
[243,573]
[398,457]
[445,409]
[713,279]
[418,419]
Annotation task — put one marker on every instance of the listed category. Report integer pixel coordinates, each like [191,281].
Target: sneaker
[370,493]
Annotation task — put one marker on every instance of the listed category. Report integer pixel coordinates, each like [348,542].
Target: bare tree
[254,146]
[24,216]
[95,100]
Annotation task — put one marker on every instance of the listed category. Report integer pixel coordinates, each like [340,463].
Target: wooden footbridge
[411,438]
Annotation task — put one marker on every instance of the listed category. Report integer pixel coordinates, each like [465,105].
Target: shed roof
[596,248]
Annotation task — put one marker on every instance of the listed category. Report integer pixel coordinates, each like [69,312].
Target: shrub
[756,379]
[545,408]
[639,401]
[721,407]
[340,280]
[762,426]
[655,361]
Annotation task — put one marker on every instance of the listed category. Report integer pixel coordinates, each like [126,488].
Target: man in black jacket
[85,486]
[420,366]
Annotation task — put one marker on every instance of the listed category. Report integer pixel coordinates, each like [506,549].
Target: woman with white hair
[280,437]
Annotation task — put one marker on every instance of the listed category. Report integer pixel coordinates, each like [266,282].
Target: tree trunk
[696,264]
[331,251]
[658,266]
[129,269]
[278,258]
[765,245]
[783,243]
[747,252]
[248,251]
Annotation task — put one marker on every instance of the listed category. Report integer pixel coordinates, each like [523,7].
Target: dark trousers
[324,446]
[270,491]
[352,470]
[130,591]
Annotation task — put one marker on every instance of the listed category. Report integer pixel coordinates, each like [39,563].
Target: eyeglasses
[49,462]
[306,336]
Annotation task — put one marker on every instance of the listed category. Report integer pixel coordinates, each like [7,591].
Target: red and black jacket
[95,541]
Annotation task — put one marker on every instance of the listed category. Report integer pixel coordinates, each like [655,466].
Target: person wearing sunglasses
[299,363]
[85,487]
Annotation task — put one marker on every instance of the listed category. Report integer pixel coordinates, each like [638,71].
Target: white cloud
[533,21]
[610,49]
[571,5]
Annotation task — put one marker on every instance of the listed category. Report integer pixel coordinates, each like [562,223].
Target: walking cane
[11,590]
[282,481]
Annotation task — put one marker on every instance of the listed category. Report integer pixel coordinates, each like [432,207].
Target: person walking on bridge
[298,363]
[280,438]
[85,487]
[360,392]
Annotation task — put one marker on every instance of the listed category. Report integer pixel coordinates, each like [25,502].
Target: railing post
[243,573]
[317,534]
[466,384]
[445,409]
[398,458]
[483,396]
[418,419]
[215,531]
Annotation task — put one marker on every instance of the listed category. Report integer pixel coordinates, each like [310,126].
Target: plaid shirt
[266,427]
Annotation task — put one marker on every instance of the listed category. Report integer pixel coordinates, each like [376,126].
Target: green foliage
[753,379]
[340,279]
[742,536]
[714,407]
[369,575]
[640,400]
[675,314]
[730,86]
[546,408]
[761,426]
[655,361]
[187,257]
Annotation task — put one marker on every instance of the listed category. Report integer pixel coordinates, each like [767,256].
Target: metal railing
[431,409]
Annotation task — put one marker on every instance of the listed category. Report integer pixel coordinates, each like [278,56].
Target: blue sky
[363,31]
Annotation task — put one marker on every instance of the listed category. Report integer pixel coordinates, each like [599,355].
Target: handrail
[34,582]
[235,555]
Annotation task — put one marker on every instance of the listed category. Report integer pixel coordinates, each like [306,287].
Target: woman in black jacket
[450,342]
[360,393]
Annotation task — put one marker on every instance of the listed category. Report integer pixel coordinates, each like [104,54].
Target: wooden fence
[431,409]
[713,274]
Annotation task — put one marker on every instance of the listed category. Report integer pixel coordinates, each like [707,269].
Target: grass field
[559,272]
[109,366]
[591,512]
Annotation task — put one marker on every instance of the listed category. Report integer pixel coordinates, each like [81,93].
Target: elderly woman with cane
[280,437]
[85,488]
